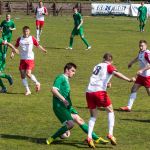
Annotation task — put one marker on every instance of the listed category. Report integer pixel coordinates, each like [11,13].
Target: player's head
[40,4]
[70,69]
[108,57]
[75,9]
[142,3]
[8,17]
[26,31]
[143,45]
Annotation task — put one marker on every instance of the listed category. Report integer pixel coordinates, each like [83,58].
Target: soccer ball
[65,135]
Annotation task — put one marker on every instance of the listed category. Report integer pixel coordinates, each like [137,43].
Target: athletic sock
[25,83]
[37,33]
[33,78]
[1,84]
[131,100]
[84,127]
[85,41]
[6,76]
[91,126]
[71,42]
[111,122]
[61,131]
[40,32]
[140,27]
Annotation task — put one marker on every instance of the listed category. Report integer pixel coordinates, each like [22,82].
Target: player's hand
[45,51]
[133,79]
[78,27]
[66,103]
[140,72]
[12,55]
[109,85]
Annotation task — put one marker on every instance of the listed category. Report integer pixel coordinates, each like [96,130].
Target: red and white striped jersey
[26,47]
[102,74]
[144,60]
[40,11]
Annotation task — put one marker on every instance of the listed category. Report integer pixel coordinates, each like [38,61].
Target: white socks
[131,99]
[25,83]
[111,122]
[40,32]
[91,126]
[33,78]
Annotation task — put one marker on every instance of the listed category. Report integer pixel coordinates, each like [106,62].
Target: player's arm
[14,50]
[81,22]
[132,62]
[123,77]
[56,93]
[42,48]
[45,11]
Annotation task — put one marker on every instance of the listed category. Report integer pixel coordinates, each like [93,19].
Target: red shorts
[144,81]
[97,99]
[26,65]
[39,23]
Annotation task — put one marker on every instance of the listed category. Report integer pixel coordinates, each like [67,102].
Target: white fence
[116,9]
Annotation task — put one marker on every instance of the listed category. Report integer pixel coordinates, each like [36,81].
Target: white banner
[106,9]
[134,9]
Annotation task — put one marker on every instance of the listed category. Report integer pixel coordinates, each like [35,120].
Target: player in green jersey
[78,29]
[2,64]
[62,106]
[142,16]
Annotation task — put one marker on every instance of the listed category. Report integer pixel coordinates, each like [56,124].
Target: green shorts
[75,31]
[6,37]
[142,20]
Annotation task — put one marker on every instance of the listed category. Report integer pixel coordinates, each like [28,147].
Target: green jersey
[142,10]
[1,46]
[6,25]
[77,19]
[62,84]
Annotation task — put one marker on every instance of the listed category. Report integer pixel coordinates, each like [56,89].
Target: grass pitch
[25,122]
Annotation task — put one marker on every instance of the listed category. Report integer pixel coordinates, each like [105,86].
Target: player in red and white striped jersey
[143,75]
[40,12]
[25,44]
[96,95]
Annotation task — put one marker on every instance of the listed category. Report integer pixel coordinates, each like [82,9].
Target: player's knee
[28,74]
[70,124]
[82,36]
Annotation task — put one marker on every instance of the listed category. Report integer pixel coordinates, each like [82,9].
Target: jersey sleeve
[35,42]
[147,57]
[57,83]
[13,25]
[80,16]
[17,42]
[111,69]
[45,10]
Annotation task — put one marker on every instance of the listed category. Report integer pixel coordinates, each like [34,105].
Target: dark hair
[75,7]
[108,57]
[25,28]
[69,66]
[143,41]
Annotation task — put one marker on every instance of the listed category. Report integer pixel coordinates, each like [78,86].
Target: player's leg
[111,122]
[140,25]
[25,82]
[37,29]
[3,90]
[148,91]
[6,76]
[73,33]
[77,119]
[143,24]
[83,38]
[64,116]
[132,97]
[40,28]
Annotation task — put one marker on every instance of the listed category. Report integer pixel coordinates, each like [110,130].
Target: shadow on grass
[54,47]
[74,143]
[15,93]
[137,120]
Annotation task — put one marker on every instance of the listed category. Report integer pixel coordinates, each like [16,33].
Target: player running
[142,16]
[25,44]
[3,64]
[62,106]
[78,29]
[143,75]
[96,95]
[40,12]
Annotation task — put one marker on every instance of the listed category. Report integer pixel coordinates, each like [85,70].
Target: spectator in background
[142,16]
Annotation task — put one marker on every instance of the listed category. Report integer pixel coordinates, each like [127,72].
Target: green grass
[26,121]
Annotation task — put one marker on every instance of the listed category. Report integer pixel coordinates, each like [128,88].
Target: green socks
[71,42]
[3,75]
[60,132]
[1,84]
[84,127]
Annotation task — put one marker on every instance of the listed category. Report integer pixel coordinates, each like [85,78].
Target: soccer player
[96,95]
[3,64]
[143,75]
[78,29]
[40,12]
[62,106]
[142,16]
[25,44]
